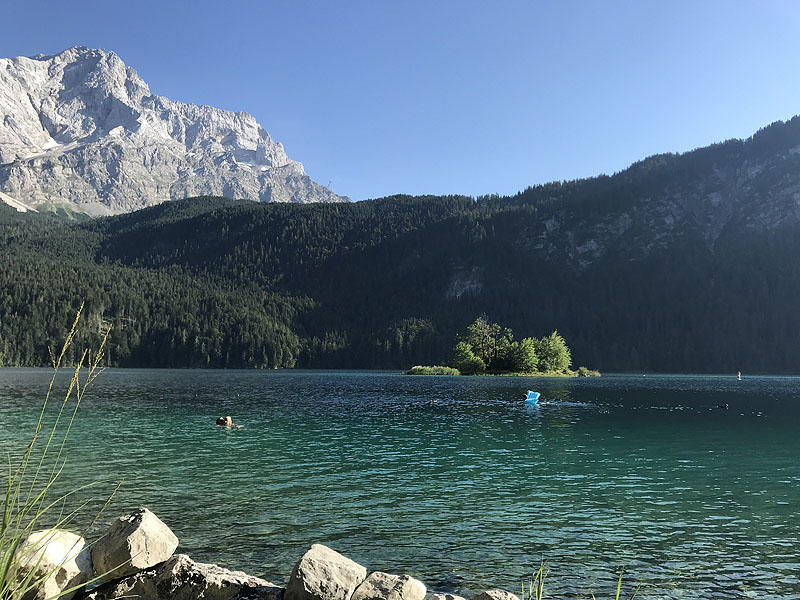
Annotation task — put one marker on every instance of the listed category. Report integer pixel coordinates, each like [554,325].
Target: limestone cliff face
[727,189]
[81,128]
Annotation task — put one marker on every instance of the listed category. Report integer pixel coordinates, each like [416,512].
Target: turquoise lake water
[454,480]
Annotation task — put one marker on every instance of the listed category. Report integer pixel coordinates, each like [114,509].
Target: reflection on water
[454,480]
[561,394]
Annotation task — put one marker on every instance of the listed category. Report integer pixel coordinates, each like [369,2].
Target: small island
[489,349]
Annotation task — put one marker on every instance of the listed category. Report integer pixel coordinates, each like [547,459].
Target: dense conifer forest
[672,265]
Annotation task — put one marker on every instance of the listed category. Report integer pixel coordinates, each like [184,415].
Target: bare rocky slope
[82,131]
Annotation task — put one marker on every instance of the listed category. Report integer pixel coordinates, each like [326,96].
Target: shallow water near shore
[454,480]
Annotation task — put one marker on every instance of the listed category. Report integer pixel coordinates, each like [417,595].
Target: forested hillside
[679,263]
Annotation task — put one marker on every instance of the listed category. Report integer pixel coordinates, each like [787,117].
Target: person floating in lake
[226,422]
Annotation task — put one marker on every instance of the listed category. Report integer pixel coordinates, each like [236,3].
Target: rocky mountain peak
[82,128]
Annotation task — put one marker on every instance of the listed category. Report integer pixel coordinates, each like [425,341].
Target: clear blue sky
[438,96]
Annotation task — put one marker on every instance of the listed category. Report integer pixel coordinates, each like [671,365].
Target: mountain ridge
[82,128]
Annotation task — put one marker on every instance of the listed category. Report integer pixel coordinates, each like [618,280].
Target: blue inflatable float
[533,397]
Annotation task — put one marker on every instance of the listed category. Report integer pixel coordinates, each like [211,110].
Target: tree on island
[465,361]
[489,348]
[525,356]
[553,353]
[488,341]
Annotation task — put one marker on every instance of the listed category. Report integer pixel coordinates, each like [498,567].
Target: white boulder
[134,542]
[60,560]
[324,574]
[383,586]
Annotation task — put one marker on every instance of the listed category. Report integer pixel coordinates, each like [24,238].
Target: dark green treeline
[388,283]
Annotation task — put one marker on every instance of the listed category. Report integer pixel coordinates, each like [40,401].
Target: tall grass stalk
[28,501]
[619,587]
[535,589]
[535,584]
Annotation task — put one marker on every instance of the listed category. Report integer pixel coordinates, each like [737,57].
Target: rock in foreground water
[60,561]
[134,542]
[180,578]
[324,574]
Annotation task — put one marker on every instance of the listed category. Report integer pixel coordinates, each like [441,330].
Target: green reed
[28,500]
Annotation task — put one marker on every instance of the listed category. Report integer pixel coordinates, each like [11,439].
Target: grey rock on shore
[180,578]
[324,574]
[133,542]
[494,595]
[383,586]
[59,558]
[144,546]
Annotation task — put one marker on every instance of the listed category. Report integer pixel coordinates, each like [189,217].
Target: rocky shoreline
[136,558]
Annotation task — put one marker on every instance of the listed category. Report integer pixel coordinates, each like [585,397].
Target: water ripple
[453,480]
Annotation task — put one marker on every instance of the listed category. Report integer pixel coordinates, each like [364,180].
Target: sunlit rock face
[82,128]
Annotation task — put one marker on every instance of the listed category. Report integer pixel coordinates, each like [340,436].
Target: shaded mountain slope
[679,263]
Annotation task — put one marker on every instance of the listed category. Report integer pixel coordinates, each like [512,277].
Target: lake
[454,480]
